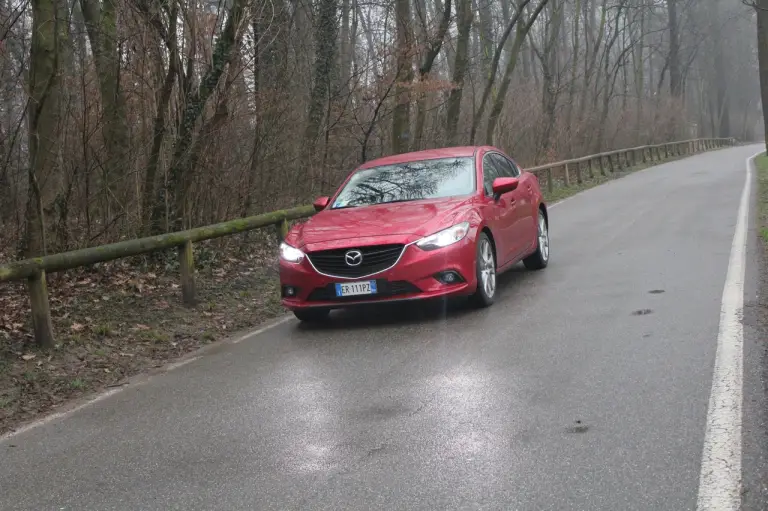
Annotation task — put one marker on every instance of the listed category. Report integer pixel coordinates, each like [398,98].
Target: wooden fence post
[187,270]
[281,228]
[550,184]
[590,169]
[578,172]
[602,166]
[41,310]
[566,176]
[611,168]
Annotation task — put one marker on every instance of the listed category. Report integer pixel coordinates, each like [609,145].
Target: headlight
[445,237]
[290,254]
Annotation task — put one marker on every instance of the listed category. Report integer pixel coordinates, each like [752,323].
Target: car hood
[400,222]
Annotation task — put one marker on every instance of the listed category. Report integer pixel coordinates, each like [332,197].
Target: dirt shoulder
[755,398]
[115,320]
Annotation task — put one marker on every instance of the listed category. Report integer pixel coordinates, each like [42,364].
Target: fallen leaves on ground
[115,320]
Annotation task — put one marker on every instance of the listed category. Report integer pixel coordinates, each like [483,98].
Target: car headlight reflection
[445,237]
[290,254]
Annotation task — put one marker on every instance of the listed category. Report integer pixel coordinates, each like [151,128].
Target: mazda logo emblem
[353,258]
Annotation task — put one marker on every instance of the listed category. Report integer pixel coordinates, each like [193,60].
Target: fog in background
[120,118]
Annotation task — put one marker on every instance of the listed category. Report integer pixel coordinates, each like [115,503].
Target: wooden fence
[34,270]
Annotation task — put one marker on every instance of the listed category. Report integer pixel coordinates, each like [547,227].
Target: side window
[506,167]
[490,172]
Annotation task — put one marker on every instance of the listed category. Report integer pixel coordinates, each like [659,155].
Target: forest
[121,118]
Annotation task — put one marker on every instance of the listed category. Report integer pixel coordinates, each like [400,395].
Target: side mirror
[321,203]
[502,185]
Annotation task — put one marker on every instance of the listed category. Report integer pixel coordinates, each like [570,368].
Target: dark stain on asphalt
[656,291]
[578,428]
[645,336]
[375,451]
[383,412]
[642,312]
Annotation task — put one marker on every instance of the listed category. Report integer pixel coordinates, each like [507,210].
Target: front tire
[485,270]
[311,315]
[540,259]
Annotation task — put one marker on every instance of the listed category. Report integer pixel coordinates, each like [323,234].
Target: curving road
[560,396]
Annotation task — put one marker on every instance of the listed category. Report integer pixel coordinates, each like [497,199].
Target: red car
[427,224]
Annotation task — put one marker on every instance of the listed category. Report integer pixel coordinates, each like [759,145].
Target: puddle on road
[642,312]
[656,291]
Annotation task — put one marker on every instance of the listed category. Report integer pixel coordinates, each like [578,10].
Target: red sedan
[428,224]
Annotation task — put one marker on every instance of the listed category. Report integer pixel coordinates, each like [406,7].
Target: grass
[761,163]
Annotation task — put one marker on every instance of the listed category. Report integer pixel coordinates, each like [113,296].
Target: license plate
[356,288]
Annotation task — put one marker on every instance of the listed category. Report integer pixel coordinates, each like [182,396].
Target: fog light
[290,291]
[449,277]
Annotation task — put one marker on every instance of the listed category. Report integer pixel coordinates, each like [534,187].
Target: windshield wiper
[376,203]
[401,200]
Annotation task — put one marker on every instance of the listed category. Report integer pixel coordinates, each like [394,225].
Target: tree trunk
[485,34]
[401,116]
[101,25]
[163,99]
[434,44]
[762,53]
[172,195]
[42,118]
[548,60]
[498,104]
[464,17]
[572,84]
[495,67]
[675,74]
[325,43]
[345,57]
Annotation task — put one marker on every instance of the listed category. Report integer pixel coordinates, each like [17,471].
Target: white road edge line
[115,390]
[720,476]
[262,329]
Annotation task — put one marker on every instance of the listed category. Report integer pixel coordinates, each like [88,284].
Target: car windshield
[409,181]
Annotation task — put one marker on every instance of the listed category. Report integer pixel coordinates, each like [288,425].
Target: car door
[503,210]
[522,231]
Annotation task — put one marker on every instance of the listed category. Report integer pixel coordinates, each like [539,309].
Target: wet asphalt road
[557,397]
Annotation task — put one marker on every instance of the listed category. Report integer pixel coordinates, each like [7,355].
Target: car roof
[429,154]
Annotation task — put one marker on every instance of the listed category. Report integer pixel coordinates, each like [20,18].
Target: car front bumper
[415,276]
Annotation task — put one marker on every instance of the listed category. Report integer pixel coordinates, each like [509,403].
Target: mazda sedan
[428,224]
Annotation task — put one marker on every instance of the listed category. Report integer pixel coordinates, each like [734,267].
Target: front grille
[386,289]
[375,259]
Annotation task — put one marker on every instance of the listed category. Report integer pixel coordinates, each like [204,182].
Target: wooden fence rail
[35,269]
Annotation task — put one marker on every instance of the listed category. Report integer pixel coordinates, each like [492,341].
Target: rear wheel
[485,269]
[311,315]
[539,259]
